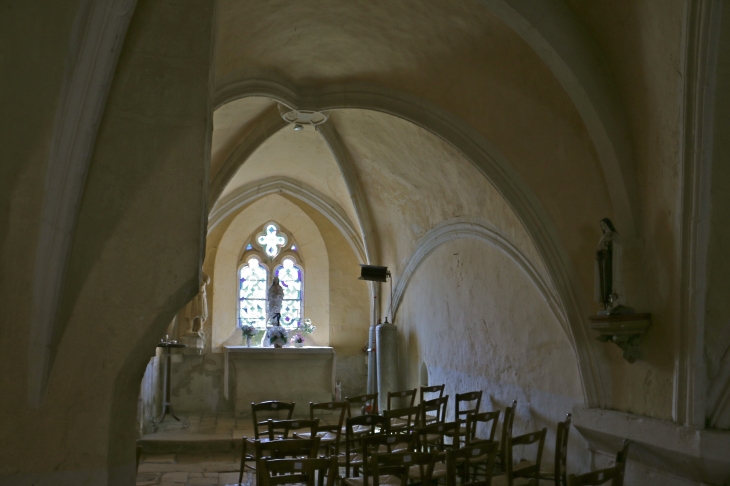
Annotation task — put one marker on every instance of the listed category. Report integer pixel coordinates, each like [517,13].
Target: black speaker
[374,273]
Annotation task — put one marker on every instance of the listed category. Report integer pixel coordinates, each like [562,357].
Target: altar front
[300,375]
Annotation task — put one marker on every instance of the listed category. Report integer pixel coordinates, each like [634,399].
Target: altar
[300,375]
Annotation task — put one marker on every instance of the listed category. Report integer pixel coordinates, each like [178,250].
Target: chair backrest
[403,395]
[399,464]
[467,404]
[435,406]
[378,442]
[279,429]
[364,404]
[281,449]
[509,418]
[271,409]
[431,436]
[489,419]
[614,474]
[410,415]
[482,454]
[432,389]
[275,472]
[533,470]
[561,450]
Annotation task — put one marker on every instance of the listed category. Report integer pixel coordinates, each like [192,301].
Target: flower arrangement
[277,335]
[298,338]
[306,328]
[248,331]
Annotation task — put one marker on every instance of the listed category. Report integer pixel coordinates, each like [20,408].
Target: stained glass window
[271,240]
[290,277]
[252,280]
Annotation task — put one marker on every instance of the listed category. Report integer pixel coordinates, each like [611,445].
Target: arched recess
[312,249]
[280,185]
[479,230]
[595,375]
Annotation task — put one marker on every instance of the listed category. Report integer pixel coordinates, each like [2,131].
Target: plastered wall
[477,322]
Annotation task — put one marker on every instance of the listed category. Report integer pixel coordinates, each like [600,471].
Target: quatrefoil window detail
[271,240]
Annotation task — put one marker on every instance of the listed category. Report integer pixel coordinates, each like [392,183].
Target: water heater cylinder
[386,343]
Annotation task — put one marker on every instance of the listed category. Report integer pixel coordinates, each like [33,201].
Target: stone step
[187,444]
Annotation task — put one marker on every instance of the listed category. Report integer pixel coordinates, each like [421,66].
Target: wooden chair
[614,474]
[558,475]
[408,395]
[275,472]
[387,443]
[438,389]
[403,419]
[434,410]
[431,438]
[489,422]
[509,418]
[271,409]
[278,449]
[466,404]
[280,428]
[356,429]
[331,416]
[459,462]
[525,475]
[361,405]
[365,404]
[394,469]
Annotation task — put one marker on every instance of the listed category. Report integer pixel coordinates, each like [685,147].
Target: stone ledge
[693,454]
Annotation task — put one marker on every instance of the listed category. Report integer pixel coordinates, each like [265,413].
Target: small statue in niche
[609,285]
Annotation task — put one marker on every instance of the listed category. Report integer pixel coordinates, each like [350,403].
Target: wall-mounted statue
[609,284]
[197,312]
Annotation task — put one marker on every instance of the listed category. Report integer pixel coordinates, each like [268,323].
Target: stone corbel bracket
[626,330]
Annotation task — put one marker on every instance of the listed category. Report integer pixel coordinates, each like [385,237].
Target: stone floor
[203,450]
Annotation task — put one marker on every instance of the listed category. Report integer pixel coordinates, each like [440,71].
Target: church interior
[543,179]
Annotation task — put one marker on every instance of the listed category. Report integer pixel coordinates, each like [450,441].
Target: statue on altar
[274,300]
[196,313]
[609,284]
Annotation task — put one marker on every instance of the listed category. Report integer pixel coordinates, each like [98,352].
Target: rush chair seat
[309,472]
[459,462]
[352,458]
[526,475]
[430,390]
[614,474]
[331,416]
[394,469]
[558,475]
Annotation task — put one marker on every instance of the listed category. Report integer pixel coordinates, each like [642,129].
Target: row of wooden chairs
[395,468]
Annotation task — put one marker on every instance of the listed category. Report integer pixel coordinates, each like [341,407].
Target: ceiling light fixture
[298,127]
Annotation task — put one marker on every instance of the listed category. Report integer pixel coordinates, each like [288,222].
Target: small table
[166,406]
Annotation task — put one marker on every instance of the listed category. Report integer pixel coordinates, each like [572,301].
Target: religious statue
[274,298]
[609,284]
[197,312]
